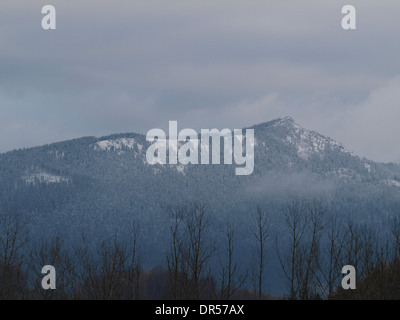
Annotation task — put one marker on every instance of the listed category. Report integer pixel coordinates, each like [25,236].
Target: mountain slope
[101,185]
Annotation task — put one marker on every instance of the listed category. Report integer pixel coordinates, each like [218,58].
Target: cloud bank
[134,65]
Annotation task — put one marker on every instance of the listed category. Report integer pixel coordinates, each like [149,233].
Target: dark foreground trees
[190,253]
[311,246]
[13,239]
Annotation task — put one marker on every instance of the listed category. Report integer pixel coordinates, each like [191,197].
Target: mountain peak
[286,119]
[284,122]
[287,122]
[307,143]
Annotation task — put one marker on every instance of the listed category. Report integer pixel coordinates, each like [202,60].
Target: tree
[310,280]
[291,260]
[13,239]
[174,255]
[334,248]
[197,250]
[301,262]
[261,235]
[190,251]
[231,279]
[51,252]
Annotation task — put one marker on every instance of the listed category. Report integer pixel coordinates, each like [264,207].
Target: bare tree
[354,245]
[51,252]
[395,230]
[113,270]
[334,248]
[370,244]
[291,260]
[174,255]
[197,250]
[310,280]
[13,238]
[101,270]
[261,235]
[134,270]
[231,277]
[190,252]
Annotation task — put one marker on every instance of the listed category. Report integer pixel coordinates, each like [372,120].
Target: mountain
[100,186]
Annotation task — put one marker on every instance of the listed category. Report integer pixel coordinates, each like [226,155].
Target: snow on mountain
[306,141]
[44,177]
[117,144]
[393,183]
[58,155]
[102,184]
[181,169]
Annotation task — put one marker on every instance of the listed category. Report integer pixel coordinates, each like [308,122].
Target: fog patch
[301,184]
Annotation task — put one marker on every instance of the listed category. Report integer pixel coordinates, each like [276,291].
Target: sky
[130,66]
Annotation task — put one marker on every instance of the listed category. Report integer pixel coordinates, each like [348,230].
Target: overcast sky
[130,66]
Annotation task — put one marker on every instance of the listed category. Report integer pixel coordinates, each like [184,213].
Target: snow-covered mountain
[306,142]
[101,185]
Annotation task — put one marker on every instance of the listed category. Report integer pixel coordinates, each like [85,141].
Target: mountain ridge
[286,122]
[280,141]
[100,186]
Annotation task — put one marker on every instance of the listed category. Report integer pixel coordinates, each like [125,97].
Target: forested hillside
[101,186]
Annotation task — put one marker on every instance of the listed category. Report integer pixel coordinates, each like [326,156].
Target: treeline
[310,245]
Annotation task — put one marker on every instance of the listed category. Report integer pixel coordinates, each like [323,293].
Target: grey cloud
[133,65]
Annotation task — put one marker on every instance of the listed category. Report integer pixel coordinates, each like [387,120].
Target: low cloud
[300,184]
[372,128]
[135,65]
